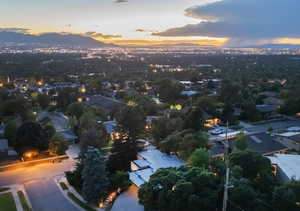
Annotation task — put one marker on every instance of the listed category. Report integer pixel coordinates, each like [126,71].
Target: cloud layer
[97,35]
[242,19]
[15,29]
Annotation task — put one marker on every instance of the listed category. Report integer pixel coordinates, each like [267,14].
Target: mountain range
[49,39]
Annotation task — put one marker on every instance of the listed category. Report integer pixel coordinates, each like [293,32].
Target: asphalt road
[275,125]
[44,195]
[128,201]
[39,183]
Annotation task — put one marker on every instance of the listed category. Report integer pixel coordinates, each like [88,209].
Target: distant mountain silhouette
[49,39]
[275,46]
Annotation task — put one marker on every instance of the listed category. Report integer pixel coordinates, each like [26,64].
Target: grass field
[7,202]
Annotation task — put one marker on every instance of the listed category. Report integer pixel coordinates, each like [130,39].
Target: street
[46,196]
[39,183]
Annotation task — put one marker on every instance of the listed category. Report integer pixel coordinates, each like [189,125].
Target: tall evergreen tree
[94,177]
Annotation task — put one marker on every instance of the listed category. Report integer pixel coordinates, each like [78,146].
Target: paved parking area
[128,201]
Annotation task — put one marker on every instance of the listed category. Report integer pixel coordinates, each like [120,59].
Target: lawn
[7,202]
[23,201]
[4,189]
[79,203]
[63,186]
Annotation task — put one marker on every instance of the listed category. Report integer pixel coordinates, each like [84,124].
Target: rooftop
[110,126]
[289,164]
[262,143]
[150,161]
[107,104]
[3,144]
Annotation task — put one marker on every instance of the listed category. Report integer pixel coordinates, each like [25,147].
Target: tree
[10,132]
[75,109]
[164,127]
[95,181]
[120,180]
[87,121]
[180,189]
[93,138]
[200,158]
[256,168]
[194,119]
[287,196]
[184,143]
[43,100]
[228,114]
[242,195]
[169,91]
[57,146]
[30,135]
[123,151]
[132,121]
[74,177]
[240,142]
[49,131]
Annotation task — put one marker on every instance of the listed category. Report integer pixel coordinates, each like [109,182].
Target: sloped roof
[3,144]
[289,164]
[151,160]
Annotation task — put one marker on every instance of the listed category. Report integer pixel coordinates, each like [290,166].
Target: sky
[216,22]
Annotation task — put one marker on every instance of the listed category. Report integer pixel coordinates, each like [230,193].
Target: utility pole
[226,158]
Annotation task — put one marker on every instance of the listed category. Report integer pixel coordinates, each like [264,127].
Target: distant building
[3,148]
[262,143]
[287,166]
[273,101]
[189,93]
[289,139]
[105,103]
[266,109]
[148,163]
[110,127]
[69,136]
[2,129]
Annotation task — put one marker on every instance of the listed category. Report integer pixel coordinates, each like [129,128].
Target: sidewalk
[14,190]
[70,189]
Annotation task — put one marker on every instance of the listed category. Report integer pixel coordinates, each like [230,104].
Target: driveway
[44,195]
[128,201]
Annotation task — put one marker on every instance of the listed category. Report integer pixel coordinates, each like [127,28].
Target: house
[210,121]
[2,129]
[3,148]
[148,163]
[265,144]
[262,143]
[189,93]
[266,109]
[289,139]
[105,103]
[273,101]
[110,127]
[69,136]
[287,166]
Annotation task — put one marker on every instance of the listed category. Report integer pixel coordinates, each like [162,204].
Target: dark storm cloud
[242,19]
